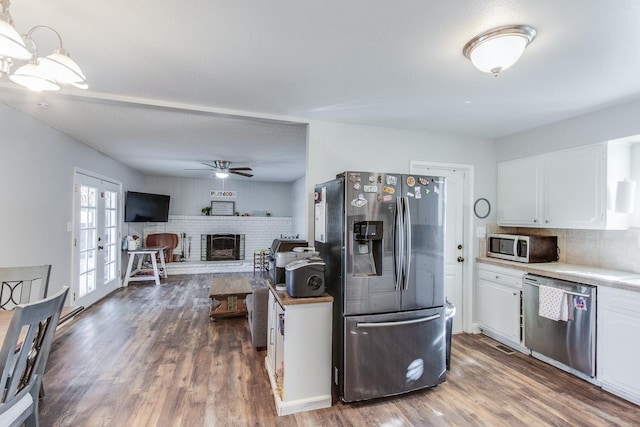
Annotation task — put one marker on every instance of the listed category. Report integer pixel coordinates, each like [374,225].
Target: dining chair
[21,285]
[23,357]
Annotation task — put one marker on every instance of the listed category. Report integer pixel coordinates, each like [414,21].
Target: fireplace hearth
[222,247]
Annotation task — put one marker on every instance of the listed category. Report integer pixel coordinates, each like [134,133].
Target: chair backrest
[21,285]
[170,240]
[26,347]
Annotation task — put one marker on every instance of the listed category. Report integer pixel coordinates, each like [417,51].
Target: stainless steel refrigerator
[381,236]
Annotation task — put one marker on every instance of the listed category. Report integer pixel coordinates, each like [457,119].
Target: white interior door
[96,237]
[454,231]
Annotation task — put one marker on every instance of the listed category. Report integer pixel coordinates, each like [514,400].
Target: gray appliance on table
[382,238]
[276,261]
[571,342]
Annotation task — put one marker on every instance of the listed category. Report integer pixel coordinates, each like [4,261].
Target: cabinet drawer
[502,278]
[619,300]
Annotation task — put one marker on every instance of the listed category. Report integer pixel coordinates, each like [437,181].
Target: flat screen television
[146,207]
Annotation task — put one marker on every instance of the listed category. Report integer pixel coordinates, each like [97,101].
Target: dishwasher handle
[527,281]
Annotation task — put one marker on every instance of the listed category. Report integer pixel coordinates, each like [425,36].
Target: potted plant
[206,210]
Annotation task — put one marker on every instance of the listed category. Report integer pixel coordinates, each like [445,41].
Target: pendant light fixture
[38,73]
[498,49]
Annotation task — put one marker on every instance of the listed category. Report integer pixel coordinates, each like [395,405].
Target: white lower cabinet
[619,342]
[299,352]
[499,304]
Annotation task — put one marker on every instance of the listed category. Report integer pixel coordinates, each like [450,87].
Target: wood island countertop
[284,298]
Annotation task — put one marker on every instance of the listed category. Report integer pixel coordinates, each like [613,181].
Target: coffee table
[227,296]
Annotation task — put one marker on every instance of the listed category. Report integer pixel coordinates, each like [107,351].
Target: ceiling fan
[222,169]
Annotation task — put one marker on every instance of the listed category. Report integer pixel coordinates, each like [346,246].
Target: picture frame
[225,208]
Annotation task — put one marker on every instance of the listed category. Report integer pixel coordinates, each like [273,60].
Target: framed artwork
[223,208]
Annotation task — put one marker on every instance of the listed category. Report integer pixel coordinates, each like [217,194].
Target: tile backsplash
[610,249]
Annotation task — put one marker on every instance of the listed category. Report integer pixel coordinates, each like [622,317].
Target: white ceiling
[160,73]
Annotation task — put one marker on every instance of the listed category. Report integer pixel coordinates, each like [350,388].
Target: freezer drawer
[389,354]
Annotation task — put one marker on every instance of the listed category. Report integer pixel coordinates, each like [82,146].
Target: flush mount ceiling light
[46,73]
[500,48]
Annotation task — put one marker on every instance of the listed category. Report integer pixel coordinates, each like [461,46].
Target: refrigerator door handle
[407,243]
[398,243]
[400,323]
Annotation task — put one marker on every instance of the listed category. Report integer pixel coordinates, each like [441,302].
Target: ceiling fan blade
[240,169]
[200,169]
[241,173]
[210,165]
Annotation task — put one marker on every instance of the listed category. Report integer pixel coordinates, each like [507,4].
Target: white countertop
[575,273]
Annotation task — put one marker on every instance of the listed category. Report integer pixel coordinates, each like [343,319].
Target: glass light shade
[63,69]
[498,49]
[497,54]
[222,175]
[30,77]
[11,44]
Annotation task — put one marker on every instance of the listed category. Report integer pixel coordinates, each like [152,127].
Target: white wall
[611,123]
[334,148]
[190,195]
[36,192]
[299,207]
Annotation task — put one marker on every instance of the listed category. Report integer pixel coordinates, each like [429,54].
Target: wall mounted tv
[146,207]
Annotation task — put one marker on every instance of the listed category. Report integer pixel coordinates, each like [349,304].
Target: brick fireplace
[259,234]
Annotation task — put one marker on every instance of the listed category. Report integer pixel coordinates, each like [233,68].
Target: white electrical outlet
[480,232]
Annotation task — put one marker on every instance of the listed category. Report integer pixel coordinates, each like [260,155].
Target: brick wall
[259,234]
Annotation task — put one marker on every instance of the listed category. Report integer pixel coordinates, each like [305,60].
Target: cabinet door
[574,190]
[271,332]
[279,343]
[499,309]
[519,197]
[618,344]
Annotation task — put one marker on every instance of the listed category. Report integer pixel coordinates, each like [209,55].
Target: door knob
[460,259]
[459,246]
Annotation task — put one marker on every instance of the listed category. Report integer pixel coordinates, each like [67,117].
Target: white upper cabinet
[564,189]
[519,187]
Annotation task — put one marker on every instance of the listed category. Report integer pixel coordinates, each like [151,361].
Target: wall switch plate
[480,232]
[69,227]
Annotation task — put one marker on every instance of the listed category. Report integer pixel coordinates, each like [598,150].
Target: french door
[96,237]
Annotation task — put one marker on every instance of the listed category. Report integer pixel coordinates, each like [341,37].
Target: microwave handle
[515,247]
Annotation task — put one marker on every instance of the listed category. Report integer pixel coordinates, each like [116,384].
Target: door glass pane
[87,239]
[110,232]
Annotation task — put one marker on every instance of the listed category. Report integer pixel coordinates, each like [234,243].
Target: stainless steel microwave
[522,248]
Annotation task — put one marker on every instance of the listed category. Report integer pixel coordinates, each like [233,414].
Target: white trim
[468,288]
[118,282]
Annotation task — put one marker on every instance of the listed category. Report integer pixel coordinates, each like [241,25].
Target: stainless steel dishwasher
[571,342]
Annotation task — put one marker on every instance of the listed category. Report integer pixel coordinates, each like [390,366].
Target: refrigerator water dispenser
[367,253]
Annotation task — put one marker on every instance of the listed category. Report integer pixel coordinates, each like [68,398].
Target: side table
[139,273]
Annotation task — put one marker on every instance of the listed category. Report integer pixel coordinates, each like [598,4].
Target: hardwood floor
[150,356]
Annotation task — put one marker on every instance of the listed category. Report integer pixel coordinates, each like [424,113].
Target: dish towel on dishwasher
[553,303]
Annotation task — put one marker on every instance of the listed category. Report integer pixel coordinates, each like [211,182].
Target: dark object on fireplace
[222,247]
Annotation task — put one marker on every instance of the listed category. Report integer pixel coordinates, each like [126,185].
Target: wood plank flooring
[149,355]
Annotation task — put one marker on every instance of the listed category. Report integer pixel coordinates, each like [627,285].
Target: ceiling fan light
[222,174]
[11,43]
[63,69]
[32,78]
[500,48]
